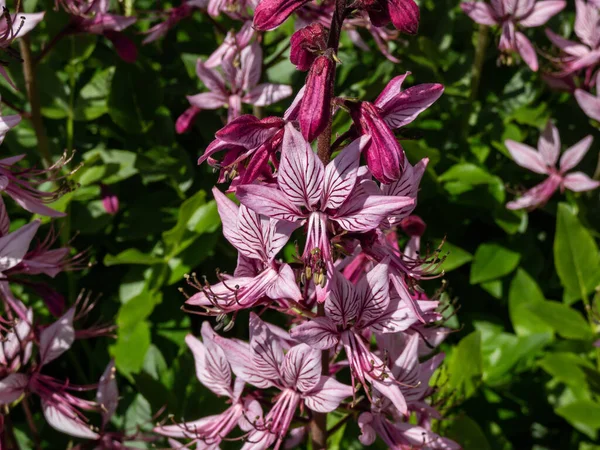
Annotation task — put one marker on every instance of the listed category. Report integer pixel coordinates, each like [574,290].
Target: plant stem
[55,40]
[34,101]
[318,424]
[31,423]
[476,71]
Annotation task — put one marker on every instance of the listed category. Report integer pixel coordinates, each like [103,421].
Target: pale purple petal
[251,64]
[342,302]
[587,16]
[253,234]
[267,353]
[268,201]
[320,333]
[373,293]
[574,154]
[579,182]
[480,12]
[57,338]
[327,395]
[408,104]
[212,368]
[66,421]
[208,100]
[22,27]
[6,123]
[285,285]
[363,214]
[13,246]
[549,144]
[367,433]
[590,104]
[211,78]
[391,90]
[107,395]
[228,211]
[292,112]
[301,172]
[266,94]
[301,367]
[279,234]
[537,195]
[526,157]
[340,174]
[567,46]
[12,387]
[526,51]
[542,12]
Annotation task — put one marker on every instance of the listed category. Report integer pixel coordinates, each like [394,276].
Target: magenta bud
[269,14]
[383,153]
[306,44]
[413,226]
[404,14]
[315,109]
[109,200]
[185,120]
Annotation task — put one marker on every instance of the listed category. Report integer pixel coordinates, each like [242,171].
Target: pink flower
[590,104]
[509,14]
[214,372]
[543,161]
[240,84]
[110,201]
[321,197]
[582,55]
[258,239]
[297,374]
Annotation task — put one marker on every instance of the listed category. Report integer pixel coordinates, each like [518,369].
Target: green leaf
[575,254]
[567,368]
[138,308]
[492,261]
[92,100]
[454,257]
[131,346]
[468,433]
[583,415]
[131,256]
[524,291]
[565,321]
[465,366]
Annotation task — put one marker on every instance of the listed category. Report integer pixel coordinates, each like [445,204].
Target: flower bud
[306,44]
[315,109]
[269,14]
[404,14]
[185,120]
[109,200]
[413,226]
[383,153]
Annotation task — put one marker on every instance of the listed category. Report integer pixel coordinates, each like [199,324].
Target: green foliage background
[521,371]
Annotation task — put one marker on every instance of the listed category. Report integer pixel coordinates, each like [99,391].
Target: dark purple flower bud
[404,14]
[109,200]
[269,14]
[306,44]
[185,120]
[384,154]
[413,226]
[315,109]
[124,46]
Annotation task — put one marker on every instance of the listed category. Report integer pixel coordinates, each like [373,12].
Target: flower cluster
[358,331]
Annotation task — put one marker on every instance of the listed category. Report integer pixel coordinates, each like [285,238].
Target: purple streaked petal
[526,51]
[6,123]
[267,354]
[266,94]
[301,172]
[373,293]
[208,100]
[320,333]
[285,286]
[268,201]
[12,387]
[251,66]
[526,157]
[57,338]
[342,302]
[579,182]
[269,14]
[340,174]
[327,395]
[212,368]
[408,104]
[542,12]
[391,90]
[587,16]
[279,234]
[107,395]
[228,211]
[66,421]
[549,144]
[14,246]
[250,132]
[252,234]
[211,78]
[404,15]
[364,214]
[574,154]
[301,367]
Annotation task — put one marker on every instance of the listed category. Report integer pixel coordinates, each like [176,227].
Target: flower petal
[549,144]
[107,395]
[12,387]
[590,104]
[13,246]
[57,338]
[480,12]
[320,333]
[408,104]
[579,182]
[526,157]
[268,201]
[574,154]
[267,353]
[542,12]
[67,421]
[301,367]
[327,395]
[526,51]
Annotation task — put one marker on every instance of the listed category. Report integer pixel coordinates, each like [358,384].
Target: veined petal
[269,14]
[13,246]
[526,157]
[12,387]
[250,132]
[366,213]
[549,144]
[253,234]
[279,232]
[579,182]
[212,368]
[228,211]
[66,421]
[267,354]
[406,186]
[340,174]
[408,104]
[590,104]
[542,12]
[327,395]
[480,12]
[342,302]
[301,367]
[373,293]
[108,393]
[320,333]
[284,286]
[574,154]
[301,172]
[391,90]
[268,201]
[57,338]
[266,94]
